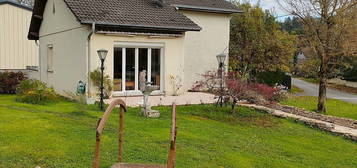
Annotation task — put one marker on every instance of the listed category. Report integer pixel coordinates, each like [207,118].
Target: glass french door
[130,61]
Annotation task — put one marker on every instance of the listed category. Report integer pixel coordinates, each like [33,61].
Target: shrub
[35,92]
[238,88]
[273,78]
[96,79]
[9,81]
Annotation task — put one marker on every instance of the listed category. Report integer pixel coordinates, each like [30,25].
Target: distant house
[301,58]
[167,38]
[16,51]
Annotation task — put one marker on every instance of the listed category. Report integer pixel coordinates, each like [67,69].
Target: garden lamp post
[102,53]
[221,58]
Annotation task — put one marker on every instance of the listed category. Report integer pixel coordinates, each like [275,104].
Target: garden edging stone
[341,126]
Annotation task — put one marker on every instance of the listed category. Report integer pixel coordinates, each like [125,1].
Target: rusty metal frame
[100,129]
[101,123]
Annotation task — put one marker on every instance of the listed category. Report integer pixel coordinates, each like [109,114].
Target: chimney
[159,3]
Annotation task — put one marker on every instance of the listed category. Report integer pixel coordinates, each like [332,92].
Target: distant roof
[301,55]
[217,6]
[17,4]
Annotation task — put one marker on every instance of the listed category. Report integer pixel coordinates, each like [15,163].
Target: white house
[177,38]
[16,51]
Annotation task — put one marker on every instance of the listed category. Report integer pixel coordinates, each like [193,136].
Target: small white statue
[146,88]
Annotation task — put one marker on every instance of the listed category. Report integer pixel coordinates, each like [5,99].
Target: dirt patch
[343,88]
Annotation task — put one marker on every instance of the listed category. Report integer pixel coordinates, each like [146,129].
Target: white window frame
[49,57]
[137,45]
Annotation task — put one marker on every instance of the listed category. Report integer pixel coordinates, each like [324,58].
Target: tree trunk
[322,94]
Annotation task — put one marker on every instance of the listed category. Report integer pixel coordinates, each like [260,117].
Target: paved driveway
[311,89]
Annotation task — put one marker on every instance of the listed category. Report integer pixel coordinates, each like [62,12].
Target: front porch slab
[188,98]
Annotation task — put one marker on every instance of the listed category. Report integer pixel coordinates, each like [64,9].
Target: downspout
[88,59]
[39,60]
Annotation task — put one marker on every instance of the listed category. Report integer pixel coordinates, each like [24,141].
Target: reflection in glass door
[130,69]
[129,62]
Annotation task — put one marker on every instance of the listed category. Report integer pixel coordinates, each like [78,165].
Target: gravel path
[311,89]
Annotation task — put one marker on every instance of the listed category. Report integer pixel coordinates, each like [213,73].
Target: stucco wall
[68,38]
[186,56]
[16,52]
[173,54]
[202,47]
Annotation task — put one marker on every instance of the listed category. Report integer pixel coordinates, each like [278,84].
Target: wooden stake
[172,151]
[97,148]
[100,129]
[121,135]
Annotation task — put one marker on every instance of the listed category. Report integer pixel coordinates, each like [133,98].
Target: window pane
[130,69]
[118,69]
[143,60]
[155,66]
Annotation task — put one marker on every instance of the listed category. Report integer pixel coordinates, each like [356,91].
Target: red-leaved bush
[9,81]
[237,88]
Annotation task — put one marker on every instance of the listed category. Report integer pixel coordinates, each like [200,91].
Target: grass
[311,80]
[63,135]
[334,107]
[295,89]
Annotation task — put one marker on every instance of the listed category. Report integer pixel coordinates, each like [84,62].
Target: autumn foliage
[9,81]
[236,88]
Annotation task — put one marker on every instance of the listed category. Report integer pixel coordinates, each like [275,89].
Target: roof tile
[135,13]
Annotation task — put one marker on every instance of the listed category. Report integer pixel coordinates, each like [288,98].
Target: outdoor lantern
[221,58]
[102,53]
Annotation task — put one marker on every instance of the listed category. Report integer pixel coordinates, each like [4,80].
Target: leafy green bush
[274,78]
[35,92]
[95,76]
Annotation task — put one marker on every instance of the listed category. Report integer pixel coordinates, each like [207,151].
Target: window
[132,58]
[50,58]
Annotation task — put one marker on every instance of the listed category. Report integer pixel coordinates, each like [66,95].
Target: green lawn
[334,107]
[62,135]
[295,89]
[311,80]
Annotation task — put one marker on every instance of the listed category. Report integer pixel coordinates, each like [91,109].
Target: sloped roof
[140,15]
[218,6]
[17,4]
[130,13]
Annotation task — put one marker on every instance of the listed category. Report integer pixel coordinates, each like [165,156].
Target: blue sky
[271,5]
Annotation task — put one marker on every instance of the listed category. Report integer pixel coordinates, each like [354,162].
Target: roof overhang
[142,27]
[206,9]
[17,4]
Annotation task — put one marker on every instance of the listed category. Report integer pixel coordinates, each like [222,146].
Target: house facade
[16,51]
[174,41]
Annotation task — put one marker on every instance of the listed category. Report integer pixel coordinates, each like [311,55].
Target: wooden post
[172,150]
[121,135]
[97,148]
[100,129]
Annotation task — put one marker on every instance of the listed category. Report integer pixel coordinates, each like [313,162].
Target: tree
[292,25]
[326,31]
[257,42]
[27,2]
